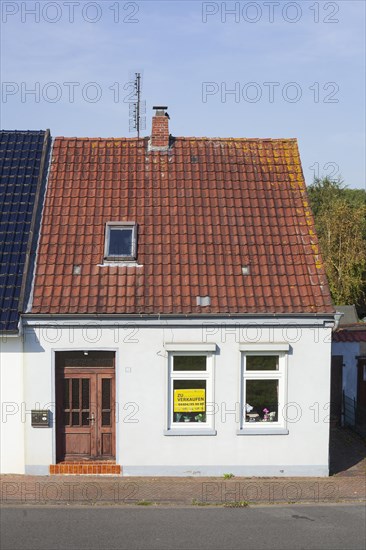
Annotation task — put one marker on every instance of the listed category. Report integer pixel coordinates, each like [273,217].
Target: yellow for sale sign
[189,400]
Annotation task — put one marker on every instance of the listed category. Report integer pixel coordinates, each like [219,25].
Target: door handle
[91,418]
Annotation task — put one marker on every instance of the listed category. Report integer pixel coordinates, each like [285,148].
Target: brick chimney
[160,129]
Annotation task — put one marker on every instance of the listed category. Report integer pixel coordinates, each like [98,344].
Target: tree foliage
[340,220]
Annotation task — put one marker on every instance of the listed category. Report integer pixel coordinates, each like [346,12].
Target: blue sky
[296,69]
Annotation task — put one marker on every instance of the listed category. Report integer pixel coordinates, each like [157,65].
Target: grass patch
[196,502]
[236,504]
[144,503]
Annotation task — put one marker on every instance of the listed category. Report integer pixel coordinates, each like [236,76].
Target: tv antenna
[137,110]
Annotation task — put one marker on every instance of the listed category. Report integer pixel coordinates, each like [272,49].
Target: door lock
[91,418]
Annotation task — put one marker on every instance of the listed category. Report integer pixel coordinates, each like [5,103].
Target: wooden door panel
[79,430]
[106,414]
[77,444]
[106,444]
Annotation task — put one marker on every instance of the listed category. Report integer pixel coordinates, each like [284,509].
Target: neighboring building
[180,321]
[23,157]
[349,369]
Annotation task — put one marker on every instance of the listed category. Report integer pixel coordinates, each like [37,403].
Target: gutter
[9,334]
[158,316]
[116,321]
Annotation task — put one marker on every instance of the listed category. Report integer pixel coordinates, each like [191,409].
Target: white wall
[141,376]
[11,397]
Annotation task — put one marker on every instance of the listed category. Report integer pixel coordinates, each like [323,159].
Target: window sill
[120,263]
[263,431]
[117,259]
[203,431]
[190,346]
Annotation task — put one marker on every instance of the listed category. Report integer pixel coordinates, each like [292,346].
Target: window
[190,393]
[263,391]
[120,241]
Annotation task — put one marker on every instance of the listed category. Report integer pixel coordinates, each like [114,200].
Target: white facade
[295,446]
[12,425]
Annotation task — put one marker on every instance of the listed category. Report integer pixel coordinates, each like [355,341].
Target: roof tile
[354,332]
[204,209]
[20,179]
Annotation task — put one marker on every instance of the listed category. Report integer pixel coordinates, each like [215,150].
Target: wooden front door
[85,390]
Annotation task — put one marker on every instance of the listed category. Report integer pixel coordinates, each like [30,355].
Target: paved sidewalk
[347,484]
[72,489]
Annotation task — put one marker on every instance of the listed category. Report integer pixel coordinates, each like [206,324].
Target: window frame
[122,225]
[264,428]
[190,428]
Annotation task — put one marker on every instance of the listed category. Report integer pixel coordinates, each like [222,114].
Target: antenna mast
[137,107]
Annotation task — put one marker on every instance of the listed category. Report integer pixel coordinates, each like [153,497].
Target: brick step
[86,467]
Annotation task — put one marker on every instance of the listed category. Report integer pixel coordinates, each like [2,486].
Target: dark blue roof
[21,155]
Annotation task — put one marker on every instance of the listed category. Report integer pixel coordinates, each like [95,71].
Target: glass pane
[75,393]
[106,418]
[262,362]
[261,401]
[66,393]
[75,419]
[66,419]
[120,241]
[106,393]
[189,362]
[85,418]
[85,393]
[189,401]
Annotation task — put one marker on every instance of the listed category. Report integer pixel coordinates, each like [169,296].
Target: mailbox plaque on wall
[41,419]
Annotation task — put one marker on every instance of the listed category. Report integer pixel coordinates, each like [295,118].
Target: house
[349,369]
[23,156]
[180,320]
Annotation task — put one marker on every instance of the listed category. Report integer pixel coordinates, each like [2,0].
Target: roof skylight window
[120,241]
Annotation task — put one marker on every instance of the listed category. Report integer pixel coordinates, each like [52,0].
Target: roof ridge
[360,324]
[236,138]
[180,138]
[22,131]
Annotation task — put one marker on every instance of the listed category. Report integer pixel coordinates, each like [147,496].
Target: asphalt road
[272,527]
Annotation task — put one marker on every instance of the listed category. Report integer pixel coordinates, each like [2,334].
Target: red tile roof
[204,209]
[355,332]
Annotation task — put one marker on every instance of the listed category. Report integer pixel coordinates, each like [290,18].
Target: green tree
[340,220]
